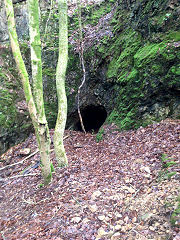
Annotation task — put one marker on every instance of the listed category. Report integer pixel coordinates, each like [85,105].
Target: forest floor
[124,187]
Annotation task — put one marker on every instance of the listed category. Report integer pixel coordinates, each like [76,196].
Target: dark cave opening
[93,118]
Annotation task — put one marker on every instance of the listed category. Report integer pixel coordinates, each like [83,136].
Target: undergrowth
[166,172]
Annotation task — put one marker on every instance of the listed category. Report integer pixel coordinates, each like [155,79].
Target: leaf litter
[114,189]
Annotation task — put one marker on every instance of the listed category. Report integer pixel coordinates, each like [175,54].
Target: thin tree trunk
[81,56]
[60,85]
[37,116]
[43,136]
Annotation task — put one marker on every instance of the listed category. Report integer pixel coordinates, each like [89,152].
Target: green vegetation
[176,214]
[8,111]
[52,168]
[100,134]
[139,68]
[165,173]
[95,13]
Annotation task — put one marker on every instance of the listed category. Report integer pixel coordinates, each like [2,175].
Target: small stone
[134,220]
[149,190]
[152,228]
[85,220]
[128,226]
[127,180]
[118,215]
[154,210]
[107,219]
[138,160]
[126,219]
[25,151]
[117,227]
[123,229]
[102,233]
[101,217]
[116,236]
[76,219]
[147,169]
[131,207]
[96,194]
[131,190]
[156,224]
[93,208]
[121,222]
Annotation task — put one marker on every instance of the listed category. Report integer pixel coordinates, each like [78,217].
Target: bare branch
[81,56]
[14,164]
[32,154]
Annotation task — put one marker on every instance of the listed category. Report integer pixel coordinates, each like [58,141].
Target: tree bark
[36,113]
[60,85]
[43,136]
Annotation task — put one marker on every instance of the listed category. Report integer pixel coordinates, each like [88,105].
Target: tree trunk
[37,114]
[60,85]
[43,136]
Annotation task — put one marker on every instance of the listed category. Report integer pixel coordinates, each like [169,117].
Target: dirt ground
[123,187]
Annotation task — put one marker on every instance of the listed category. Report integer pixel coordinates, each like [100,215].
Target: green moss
[52,168]
[123,49]
[172,77]
[51,113]
[146,54]
[48,179]
[157,69]
[133,75]
[49,72]
[175,70]
[174,35]
[94,13]
[138,69]
[100,134]
[8,113]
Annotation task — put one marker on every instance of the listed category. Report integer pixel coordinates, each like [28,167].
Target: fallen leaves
[109,191]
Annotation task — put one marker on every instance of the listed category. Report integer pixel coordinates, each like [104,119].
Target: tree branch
[81,56]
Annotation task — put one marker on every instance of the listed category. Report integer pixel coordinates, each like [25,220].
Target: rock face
[131,53]
[132,61]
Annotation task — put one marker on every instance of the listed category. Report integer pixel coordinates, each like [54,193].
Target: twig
[139,234]
[66,137]
[33,202]
[78,146]
[51,6]
[135,227]
[32,154]
[17,176]
[14,164]
[136,193]
[81,56]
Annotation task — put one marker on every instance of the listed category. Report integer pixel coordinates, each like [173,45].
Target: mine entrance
[93,118]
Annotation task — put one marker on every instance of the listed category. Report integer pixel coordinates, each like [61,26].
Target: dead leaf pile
[113,189]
